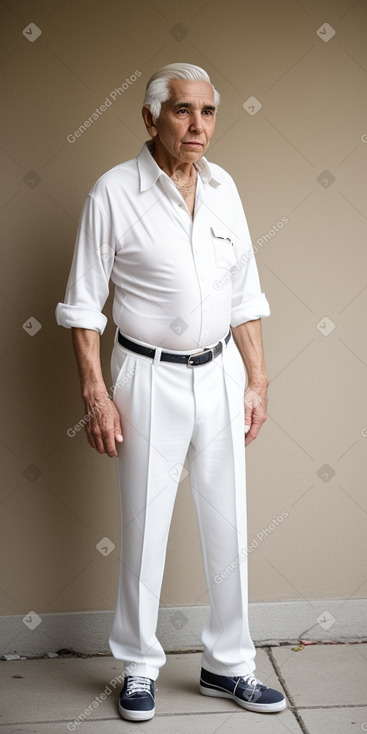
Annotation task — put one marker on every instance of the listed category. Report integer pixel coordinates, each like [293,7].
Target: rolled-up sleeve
[248,301]
[88,284]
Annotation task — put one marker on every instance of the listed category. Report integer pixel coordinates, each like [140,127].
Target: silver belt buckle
[198,354]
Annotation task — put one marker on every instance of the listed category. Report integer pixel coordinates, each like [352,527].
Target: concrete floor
[326,688]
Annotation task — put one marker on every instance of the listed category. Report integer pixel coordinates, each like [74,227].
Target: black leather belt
[192,360]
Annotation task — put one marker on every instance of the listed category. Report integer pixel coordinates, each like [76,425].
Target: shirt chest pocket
[223,248]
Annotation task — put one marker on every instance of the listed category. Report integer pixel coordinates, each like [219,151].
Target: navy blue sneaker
[136,702]
[246,690]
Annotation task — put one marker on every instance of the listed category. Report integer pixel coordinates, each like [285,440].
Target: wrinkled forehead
[197,94]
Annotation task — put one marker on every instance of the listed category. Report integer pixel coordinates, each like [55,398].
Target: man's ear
[148,119]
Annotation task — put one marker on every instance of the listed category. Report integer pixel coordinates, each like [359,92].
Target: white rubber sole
[135,715]
[261,708]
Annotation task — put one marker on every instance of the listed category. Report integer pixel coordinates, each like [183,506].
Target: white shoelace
[137,684]
[251,680]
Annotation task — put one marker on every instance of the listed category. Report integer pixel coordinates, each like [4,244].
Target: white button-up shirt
[179,282]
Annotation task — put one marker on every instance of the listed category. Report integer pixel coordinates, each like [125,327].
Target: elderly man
[169,229]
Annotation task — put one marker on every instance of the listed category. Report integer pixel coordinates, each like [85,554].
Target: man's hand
[103,425]
[255,411]
[103,428]
[248,339]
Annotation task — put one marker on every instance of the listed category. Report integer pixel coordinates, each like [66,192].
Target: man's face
[186,122]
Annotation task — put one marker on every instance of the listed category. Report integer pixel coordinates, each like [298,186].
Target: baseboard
[179,628]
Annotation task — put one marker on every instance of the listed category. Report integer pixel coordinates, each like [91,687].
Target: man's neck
[173,167]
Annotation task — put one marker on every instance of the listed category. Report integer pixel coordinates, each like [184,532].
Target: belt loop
[157,356]
[223,343]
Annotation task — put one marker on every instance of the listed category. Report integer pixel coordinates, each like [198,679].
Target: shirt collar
[150,172]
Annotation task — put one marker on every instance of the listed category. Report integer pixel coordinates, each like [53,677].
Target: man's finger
[248,415]
[110,449]
[252,434]
[100,445]
[118,431]
[91,441]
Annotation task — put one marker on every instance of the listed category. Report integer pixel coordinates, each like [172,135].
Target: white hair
[157,90]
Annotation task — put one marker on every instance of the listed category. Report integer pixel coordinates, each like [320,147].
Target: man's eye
[208,112]
[183,110]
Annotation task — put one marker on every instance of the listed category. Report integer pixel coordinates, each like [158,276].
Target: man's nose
[196,124]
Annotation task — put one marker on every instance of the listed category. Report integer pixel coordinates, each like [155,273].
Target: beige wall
[58,498]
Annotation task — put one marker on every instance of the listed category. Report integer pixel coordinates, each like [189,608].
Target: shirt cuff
[257,308]
[79,317]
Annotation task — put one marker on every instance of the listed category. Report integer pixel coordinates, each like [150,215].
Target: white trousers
[169,411]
